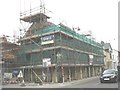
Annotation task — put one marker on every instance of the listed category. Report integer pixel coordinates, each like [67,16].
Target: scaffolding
[56,51]
[73,48]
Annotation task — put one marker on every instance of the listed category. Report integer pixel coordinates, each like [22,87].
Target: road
[91,83]
[84,83]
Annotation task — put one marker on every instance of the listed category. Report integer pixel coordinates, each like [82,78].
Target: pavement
[55,85]
[45,85]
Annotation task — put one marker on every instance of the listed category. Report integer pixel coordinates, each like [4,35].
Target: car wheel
[101,81]
[116,80]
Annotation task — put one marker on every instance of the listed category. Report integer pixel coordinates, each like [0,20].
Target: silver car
[109,75]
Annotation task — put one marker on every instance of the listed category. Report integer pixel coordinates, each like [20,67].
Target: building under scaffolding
[9,57]
[56,53]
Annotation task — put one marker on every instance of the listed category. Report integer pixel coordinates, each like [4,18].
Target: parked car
[109,75]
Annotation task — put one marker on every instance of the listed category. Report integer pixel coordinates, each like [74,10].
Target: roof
[3,39]
[107,46]
[37,26]
[35,17]
[59,28]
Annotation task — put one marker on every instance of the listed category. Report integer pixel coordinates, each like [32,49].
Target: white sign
[20,74]
[91,56]
[46,62]
[7,75]
[91,59]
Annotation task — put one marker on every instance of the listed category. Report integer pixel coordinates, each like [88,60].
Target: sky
[98,16]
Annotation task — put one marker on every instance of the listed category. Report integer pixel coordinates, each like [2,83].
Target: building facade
[108,55]
[56,53]
[114,59]
[9,57]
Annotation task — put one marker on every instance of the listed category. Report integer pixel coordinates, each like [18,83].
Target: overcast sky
[98,16]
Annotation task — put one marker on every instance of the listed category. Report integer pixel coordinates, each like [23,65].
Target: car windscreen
[109,72]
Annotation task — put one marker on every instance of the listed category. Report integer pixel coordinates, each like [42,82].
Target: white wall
[114,59]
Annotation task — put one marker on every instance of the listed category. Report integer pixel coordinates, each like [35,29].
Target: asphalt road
[91,83]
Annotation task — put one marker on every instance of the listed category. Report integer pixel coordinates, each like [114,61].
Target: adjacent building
[108,55]
[114,59]
[9,56]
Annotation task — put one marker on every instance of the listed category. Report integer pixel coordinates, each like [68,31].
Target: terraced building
[9,58]
[56,53]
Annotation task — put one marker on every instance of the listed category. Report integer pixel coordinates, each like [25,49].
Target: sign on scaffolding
[20,75]
[46,62]
[8,75]
[47,39]
[91,59]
